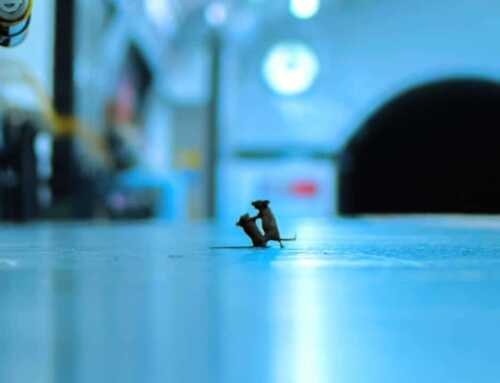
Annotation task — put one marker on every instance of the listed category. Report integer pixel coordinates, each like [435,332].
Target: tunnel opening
[433,149]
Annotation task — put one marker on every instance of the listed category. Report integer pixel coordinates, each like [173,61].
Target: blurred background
[181,112]
[189,109]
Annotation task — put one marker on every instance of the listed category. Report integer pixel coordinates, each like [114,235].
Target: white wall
[370,51]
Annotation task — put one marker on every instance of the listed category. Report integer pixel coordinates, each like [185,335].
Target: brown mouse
[251,229]
[269,223]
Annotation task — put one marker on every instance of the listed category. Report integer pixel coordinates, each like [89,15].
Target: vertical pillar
[64,284]
[213,120]
[64,53]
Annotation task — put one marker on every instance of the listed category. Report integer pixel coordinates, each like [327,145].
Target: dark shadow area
[434,149]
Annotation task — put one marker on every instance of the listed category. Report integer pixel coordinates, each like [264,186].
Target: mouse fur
[269,223]
[252,230]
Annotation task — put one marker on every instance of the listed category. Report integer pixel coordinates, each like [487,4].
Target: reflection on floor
[368,300]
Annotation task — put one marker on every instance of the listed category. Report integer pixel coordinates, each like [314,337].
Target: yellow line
[59,125]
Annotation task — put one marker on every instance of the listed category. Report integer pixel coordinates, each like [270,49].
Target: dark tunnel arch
[433,149]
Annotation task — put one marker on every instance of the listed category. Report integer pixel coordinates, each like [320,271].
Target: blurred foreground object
[15,17]
[19,182]
[14,74]
[48,125]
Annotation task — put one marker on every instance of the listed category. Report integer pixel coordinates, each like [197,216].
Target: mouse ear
[266,202]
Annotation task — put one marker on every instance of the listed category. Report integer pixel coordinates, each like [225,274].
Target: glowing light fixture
[216,14]
[159,11]
[290,68]
[304,9]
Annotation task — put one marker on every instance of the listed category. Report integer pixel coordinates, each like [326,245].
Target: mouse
[252,230]
[269,223]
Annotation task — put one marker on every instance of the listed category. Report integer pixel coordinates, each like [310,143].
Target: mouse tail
[289,239]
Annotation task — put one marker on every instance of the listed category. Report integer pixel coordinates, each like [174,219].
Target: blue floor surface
[369,300]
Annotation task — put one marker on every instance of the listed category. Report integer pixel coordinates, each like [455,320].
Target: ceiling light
[290,68]
[304,9]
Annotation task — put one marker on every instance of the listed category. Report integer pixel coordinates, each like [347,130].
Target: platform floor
[370,300]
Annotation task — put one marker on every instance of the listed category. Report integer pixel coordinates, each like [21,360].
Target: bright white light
[304,9]
[159,11]
[216,14]
[302,351]
[290,68]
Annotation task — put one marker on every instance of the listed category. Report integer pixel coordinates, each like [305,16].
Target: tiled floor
[370,300]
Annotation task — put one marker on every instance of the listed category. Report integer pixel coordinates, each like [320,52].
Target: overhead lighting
[304,9]
[216,14]
[290,68]
[159,11]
